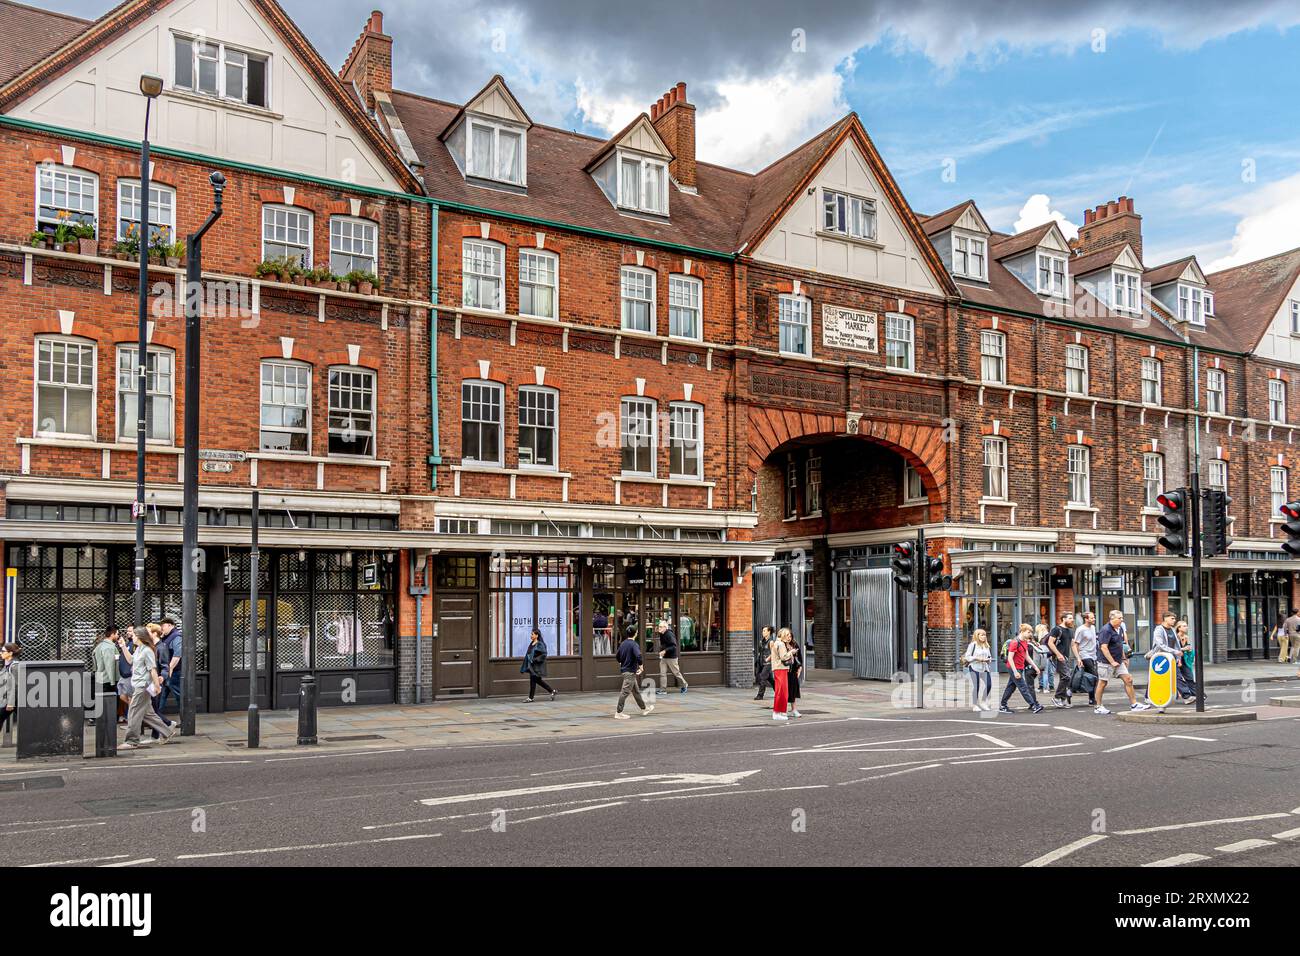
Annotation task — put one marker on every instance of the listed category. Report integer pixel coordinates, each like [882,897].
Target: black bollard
[307,710]
[106,724]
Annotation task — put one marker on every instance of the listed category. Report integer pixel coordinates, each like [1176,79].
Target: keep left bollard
[106,724]
[307,710]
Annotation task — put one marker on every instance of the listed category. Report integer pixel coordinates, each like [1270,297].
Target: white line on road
[1208,740]
[147,859]
[996,740]
[705,778]
[1049,858]
[67,826]
[1081,733]
[728,793]
[882,776]
[583,740]
[163,763]
[24,773]
[1199,823]
[1242,845]
[1178,860]
[982,721]
[594,766]
[306,846]
[1136,743]
[547,816]
[1287,834]
[89,859]
[351,753]
[972,763]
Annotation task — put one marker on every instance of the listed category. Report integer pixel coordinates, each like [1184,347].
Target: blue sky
[1187,106]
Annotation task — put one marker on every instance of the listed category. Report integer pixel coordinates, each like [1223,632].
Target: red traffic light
[905,548]
[1291,509]
[1171,499]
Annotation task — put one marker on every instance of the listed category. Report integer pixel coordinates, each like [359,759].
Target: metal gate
[765,609]
[873,607]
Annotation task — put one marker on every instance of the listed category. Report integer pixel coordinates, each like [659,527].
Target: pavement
[498,720]
[855,781]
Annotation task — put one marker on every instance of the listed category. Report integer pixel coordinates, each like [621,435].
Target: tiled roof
[1020,242]
[559,190]
[30,35]
[942,220]
[1246,297]
[1082,265]
[1168,272]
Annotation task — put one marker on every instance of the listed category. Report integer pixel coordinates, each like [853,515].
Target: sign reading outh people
[848,329]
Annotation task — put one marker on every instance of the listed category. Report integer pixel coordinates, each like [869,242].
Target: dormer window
[1191,305]
[495,151]
[1128,291]
[643,184]
[1209,303]
[969,257]
[215,69]
[1052,274]
[848,215]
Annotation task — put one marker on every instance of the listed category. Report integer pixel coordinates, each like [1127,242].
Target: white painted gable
[643,138]
[1128,259]
[304,131]
[1193,273]
[497,102]
[894,259]
[972,221]
[1054,240]
[1278,343]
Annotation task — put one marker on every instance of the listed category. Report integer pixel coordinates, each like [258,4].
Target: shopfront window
[681,592]
[528,592]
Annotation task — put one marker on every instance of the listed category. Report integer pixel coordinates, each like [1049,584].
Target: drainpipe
[435,458]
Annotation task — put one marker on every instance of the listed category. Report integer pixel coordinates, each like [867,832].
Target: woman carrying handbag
[534,666]
[978,660]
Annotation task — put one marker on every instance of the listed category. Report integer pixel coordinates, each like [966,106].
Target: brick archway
[922,446]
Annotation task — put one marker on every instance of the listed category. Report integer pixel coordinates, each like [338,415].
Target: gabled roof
[131,13]
[31,34]
[1169,271]
[1247,297]
[1101,259]
[776,183]
[642,122]
[497,81]
[933,225]
[1022,241]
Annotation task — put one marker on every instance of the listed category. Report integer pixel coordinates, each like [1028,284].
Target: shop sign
[1001,581]
[1164,583]
[1063,582]
[635,575]
[722,577]
[370,575]
[1113,583]
[848,329]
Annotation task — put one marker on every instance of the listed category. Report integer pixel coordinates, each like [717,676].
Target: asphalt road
[945,788]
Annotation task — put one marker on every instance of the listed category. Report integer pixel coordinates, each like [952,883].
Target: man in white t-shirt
[1084,648]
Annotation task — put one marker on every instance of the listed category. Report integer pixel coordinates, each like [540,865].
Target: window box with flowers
[359,280]
[128,247]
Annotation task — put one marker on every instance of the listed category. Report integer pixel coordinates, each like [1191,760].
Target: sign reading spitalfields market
[848,329]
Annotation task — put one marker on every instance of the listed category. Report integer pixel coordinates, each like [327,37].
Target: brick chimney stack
[1110,224]
[370,64]
[674,121]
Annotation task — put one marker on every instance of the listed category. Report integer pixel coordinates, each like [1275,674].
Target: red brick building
[601,383]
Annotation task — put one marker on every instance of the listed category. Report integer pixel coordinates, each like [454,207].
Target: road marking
[896,773]
[154,764]
[594,766]
[89,859]
[983,721]
[705,778]
[1178,860]
[1136,743]
[729,793]
[66,826]
[1199,823]
[351,753]
[306,846]
[1287,834]
[971,763]
[1081,733]
[1049,858]
[147,859]
[1208,740]
[24,773]
[580,740]
[546,816]
[1243,845]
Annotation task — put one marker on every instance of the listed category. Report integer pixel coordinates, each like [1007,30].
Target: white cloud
[760,119]
[1268,225]
[1038,210]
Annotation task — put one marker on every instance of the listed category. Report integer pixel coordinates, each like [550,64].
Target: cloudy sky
[1034,108]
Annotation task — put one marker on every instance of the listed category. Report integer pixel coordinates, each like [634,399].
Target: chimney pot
[377,21]
[1112,208]
[681,92]
[1087,217]
[654,111]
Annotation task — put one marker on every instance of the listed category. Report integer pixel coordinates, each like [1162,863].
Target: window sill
[998,502]
[1089,509]
[845,237]
[482,469]
[652,480]
[90,443]
[317,459]
[915,503]
[201,99]
[901,371]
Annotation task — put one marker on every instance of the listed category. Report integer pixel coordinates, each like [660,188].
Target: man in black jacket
[630,665]
[668,657]
[763,666]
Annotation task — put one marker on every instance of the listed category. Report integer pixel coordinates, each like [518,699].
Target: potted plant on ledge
[365,282]
[84,233]
[173,253]
[39,240]
[269,269]
[63,235]
[160,244]
[128,247]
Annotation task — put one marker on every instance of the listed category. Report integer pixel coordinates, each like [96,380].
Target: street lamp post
[193,560]
[150,87]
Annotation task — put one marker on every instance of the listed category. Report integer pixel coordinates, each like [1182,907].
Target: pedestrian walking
[978,661]
[1018,656]
[779,655]
[1059,641]
[668,657]
[794,674]
[145,685]
[1042,658]
[1084,648]
[169,664]
[1112,662]
[160,650]
[8,684]
[1292,627]
[1186,675]
[534,666]
[631,665]
[104,658]
[123,678]
[1164,638]
[763,662]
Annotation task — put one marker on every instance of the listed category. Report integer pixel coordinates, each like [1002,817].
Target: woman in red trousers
[779,654]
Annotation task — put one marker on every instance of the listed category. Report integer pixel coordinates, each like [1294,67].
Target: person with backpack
[1059,641]
[1042,659]
[978,660]
[534,666]
[1186,660]
[1017,655]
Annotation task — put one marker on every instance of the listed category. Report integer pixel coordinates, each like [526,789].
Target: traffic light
[1214,523]
[904,565]
[935,579]
[1291,511]
[1174,521]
